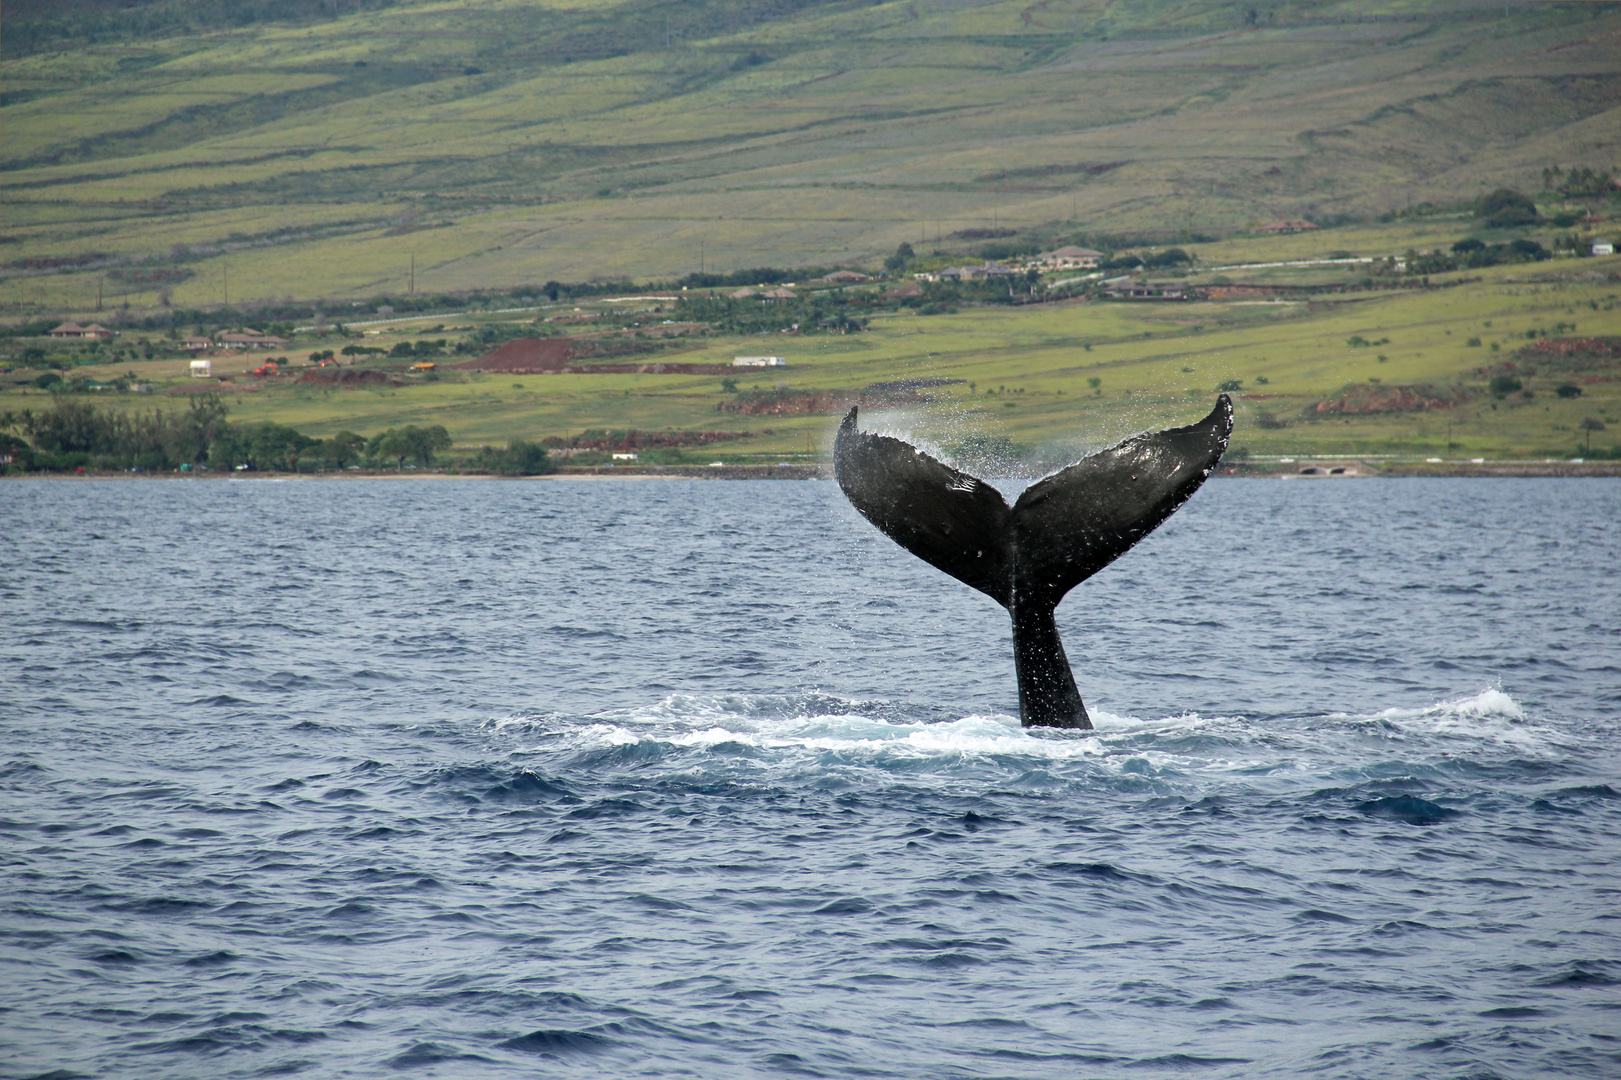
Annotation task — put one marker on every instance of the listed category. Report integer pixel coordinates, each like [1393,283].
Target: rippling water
[709,779]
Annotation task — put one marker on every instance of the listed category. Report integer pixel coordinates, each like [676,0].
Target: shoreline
[1362,469]
[1327,469]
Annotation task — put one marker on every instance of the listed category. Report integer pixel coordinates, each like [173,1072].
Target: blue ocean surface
[709,779]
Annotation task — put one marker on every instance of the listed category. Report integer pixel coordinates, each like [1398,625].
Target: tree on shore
[417,443]
[262,446]
[343,448]
[520,458]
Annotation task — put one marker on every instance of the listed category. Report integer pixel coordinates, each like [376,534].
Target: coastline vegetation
[72,436]
[1478,362]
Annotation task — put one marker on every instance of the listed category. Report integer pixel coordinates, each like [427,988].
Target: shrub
[1569,390]
[1502,385]
[1505,207]
[1172,257]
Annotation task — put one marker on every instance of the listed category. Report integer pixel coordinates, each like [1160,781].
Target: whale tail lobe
[1063,529]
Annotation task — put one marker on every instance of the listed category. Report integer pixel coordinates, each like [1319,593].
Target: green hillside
[183,150]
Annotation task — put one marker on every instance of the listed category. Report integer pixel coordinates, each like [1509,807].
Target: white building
[202,369]
[760,361]
[1069,258]
[1603,247]
[624,457]
[252,339]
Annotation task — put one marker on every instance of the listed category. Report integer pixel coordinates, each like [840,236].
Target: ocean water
[709,779]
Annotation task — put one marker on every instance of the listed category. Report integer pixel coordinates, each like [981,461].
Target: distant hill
[308,148]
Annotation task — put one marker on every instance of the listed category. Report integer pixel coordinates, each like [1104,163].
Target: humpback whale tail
[1063,529]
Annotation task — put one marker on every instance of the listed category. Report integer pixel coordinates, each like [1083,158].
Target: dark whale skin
[1063,529]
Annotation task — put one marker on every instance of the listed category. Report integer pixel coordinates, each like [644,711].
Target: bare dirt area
[1370,398]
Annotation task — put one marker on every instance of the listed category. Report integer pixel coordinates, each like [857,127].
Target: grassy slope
[1159,364]
[299,173]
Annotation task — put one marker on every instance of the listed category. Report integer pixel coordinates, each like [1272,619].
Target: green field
[1027,375]
[162,151]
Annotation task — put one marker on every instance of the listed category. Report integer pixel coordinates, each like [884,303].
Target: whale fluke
[1063,529]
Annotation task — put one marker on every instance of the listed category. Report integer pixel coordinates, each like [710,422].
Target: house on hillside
[1603,247]
[74,330]
[252,339]
[760,361]
[744,294]
[844,277]
[779,294]
[197,344]
[1286,225]
[1143,290]
[987,270]
[1069,257]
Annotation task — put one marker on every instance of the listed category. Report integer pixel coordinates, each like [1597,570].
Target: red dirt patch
[814,402]
[525,356]
[1365,398]
[643,440]
[346,378]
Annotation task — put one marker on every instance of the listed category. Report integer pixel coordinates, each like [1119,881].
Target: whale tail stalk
[1063,529]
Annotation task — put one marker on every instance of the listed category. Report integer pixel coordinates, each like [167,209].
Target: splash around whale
[1063,529]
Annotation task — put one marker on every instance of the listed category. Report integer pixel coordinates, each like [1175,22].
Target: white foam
[1489,702]
[699,722]
[821,731]
[1489,717]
